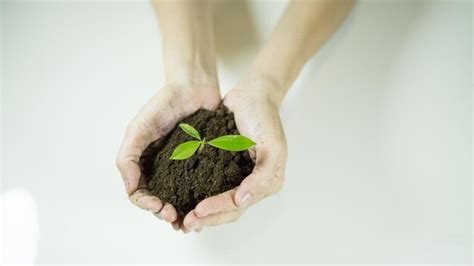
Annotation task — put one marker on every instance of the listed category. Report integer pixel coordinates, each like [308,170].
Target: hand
[256,114]
[156,119]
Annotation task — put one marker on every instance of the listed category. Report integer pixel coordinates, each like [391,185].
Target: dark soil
[210,171]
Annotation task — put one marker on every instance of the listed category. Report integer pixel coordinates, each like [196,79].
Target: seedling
[227,142]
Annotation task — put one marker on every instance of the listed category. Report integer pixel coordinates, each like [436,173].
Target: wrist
[191,74]
[275,65]
[271,86]
[263,86]
[191,60]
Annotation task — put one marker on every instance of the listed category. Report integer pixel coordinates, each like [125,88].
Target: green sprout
[227,142]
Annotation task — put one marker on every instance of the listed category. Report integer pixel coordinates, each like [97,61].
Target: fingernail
[245,199]
[192,226]
[150,206]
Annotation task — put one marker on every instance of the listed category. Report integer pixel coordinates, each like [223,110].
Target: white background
[378,126]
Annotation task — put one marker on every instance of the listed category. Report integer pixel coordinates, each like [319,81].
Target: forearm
[302,30]
[188,41]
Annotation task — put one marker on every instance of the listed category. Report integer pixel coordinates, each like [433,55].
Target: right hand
[255,105]
[155,120]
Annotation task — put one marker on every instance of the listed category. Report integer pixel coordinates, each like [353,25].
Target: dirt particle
[230,125]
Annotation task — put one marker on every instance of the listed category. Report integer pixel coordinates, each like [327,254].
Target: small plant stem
[203,142]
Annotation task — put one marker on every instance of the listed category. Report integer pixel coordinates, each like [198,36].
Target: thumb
[266,178]
[134,143]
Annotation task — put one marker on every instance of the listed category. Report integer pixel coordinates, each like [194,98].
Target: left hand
[256,116]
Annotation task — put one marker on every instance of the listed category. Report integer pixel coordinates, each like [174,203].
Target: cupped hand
[155,120]
[255,110]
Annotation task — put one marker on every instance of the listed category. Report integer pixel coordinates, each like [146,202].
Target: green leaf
[191,131]
[185,150]
[232,143]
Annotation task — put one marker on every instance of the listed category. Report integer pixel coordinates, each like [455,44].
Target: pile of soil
[210,171]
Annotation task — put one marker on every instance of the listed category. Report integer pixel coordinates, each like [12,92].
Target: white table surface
[378,126]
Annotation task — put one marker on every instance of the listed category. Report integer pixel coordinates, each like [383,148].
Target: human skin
[192,83]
